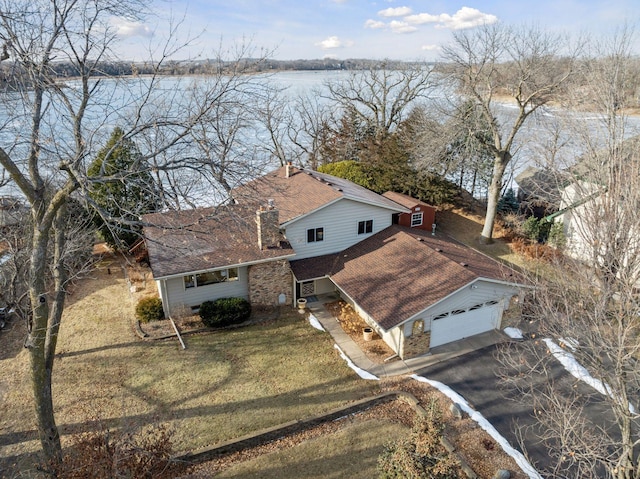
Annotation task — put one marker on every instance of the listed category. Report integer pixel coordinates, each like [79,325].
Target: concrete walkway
[396,366]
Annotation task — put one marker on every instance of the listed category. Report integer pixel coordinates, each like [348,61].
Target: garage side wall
[393,337]
[415,345]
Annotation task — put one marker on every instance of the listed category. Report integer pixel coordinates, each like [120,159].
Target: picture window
[210,277]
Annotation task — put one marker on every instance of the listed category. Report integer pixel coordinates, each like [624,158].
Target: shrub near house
[149,309]
[224,312]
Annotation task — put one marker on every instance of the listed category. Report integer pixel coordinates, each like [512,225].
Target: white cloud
[332,42]
[395,12]
[430,48]
[126,28]
[402,27]
[374,24]
[422,18]
[466,17]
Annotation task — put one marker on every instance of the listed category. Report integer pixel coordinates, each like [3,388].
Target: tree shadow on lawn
[70,354]
[312,395]
[257,412]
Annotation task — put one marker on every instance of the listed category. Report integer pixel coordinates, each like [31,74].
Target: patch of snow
[361,372]
[517,456]
[513,333]
[578,371]
[315,323]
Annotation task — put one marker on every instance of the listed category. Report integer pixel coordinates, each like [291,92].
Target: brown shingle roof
[313,268]
[398,272]
[304,191]
[404,200]
[205,238]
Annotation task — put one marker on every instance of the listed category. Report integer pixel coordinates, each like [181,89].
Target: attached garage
[460,324]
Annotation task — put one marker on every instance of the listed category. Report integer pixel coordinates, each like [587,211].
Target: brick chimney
[267,219]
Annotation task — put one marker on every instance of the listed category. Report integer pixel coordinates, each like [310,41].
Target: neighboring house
[12,211]
[599,230]
[599,206]
[327,235]
[539,191]
[422,215]
[579,199]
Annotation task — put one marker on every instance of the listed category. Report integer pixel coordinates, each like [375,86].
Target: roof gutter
[227,266]
[553,216]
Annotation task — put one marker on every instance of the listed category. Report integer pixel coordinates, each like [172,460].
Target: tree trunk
[40,347]
[493,196]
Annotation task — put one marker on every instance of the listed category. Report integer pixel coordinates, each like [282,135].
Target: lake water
[114,106]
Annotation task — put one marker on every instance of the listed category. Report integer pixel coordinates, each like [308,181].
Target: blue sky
[396,29]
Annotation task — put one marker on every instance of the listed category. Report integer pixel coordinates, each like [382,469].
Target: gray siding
[324,286]
[179,297]
[340,223]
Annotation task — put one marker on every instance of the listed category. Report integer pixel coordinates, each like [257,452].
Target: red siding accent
[428,217]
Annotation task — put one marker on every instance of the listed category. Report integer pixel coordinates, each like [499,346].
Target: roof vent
[464,265]
[439,250]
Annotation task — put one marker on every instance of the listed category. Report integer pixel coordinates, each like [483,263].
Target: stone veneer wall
[416,345]
[268,280]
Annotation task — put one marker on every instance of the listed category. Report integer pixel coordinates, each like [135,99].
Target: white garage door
[452,327]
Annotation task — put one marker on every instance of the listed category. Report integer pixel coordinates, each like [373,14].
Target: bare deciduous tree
[589,303]
[494,62]
[54,130]
[381,97]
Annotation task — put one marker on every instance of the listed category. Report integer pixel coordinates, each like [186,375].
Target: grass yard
[328,456]
[224,385]
[467,228]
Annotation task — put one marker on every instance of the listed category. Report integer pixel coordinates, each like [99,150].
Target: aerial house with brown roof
[298,233]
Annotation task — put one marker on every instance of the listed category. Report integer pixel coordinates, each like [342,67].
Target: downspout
[294,295]
[175,328]
[165,297]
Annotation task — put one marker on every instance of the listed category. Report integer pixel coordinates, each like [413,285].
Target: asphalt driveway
[474,376]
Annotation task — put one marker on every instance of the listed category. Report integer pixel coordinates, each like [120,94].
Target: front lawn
[224,385]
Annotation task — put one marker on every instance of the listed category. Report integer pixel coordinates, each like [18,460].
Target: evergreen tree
[508,202]
[122,190]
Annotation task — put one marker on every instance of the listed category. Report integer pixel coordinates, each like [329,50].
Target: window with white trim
[416,219]
[315,235]
[210,277]
[365,227]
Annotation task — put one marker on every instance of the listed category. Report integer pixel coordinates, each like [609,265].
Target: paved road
[474,376]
